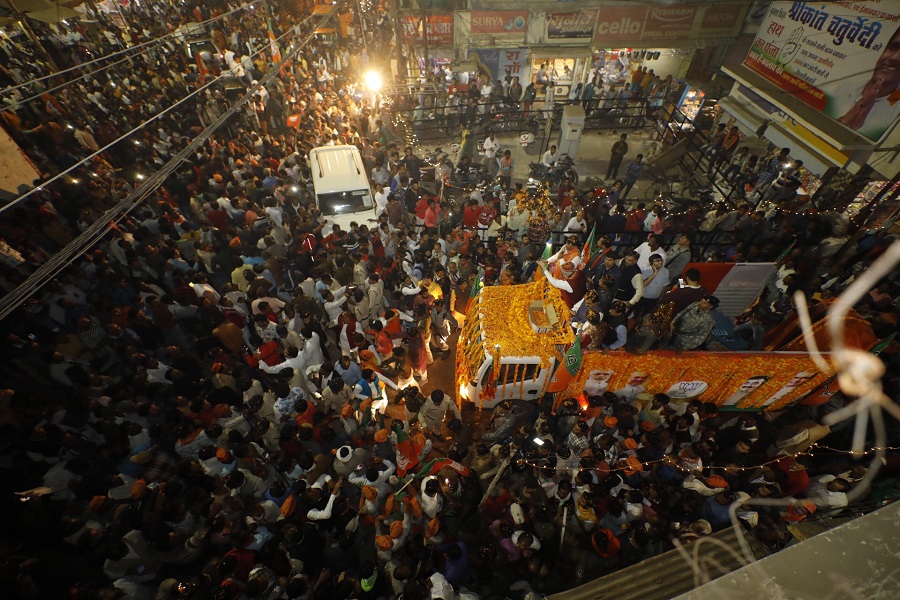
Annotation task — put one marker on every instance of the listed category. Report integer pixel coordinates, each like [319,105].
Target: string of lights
[669,214]
[673,460]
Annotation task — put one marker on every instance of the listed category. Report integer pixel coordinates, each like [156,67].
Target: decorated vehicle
[512,340]
[517,342]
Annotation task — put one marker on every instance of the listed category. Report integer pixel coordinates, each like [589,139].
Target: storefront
[424,58]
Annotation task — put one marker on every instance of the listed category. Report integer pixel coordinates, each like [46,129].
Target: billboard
[508,61]
[499,21]
[648,24]
[440,29]
[840,58]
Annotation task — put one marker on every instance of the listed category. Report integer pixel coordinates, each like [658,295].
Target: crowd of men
[226,399]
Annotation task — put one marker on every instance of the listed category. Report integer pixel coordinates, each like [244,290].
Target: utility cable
[44,274]
[154,41]
[162,113]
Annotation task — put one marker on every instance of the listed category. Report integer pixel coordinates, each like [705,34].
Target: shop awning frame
[835,134]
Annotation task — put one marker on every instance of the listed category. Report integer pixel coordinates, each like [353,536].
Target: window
[514,373]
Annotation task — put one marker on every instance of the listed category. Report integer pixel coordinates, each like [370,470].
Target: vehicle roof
[337,168]
[503,312]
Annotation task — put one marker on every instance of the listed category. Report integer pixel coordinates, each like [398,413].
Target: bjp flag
[569,368]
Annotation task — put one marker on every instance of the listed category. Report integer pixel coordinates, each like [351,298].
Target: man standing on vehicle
[489,149]
[619,150]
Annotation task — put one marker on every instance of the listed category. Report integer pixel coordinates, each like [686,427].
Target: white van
[342,188]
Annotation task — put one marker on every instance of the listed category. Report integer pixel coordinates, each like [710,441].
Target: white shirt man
[656,279]
[490,147]
[333,308]
[550,157]
[433,410]
[645,252]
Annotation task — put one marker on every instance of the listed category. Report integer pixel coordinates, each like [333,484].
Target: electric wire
[45,273]
[153,41]
[12,203]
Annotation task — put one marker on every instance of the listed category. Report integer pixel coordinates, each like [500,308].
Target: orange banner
[761,380]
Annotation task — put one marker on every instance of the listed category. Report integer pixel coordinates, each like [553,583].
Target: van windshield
[338,203]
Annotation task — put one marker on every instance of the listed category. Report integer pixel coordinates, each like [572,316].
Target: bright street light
[373,80]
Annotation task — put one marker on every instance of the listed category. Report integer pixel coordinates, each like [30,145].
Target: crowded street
[377,299]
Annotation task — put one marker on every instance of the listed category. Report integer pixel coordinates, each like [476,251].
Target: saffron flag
[408,449]
[273,44]
[569,368]
[590,246]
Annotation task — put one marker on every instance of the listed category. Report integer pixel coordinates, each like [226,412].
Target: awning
[712,42]
[53,15]
[748,118]
[550,52]
[839,137]
[41,10]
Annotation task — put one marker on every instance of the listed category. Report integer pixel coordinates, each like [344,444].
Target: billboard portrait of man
[798,380]
[597,382]
[635,386]
[748,387]
[872,109]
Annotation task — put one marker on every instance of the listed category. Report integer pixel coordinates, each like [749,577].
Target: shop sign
[513,62]
[721,20]
[440,29]
[839,58]
[651,24]
[499,21]
[571,25]
[669,22]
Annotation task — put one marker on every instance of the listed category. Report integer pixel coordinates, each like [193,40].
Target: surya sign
[499,21]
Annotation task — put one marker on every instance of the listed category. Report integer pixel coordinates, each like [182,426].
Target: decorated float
[515,337]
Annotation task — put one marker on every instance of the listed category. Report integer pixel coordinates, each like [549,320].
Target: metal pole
[23,21]
[424,30]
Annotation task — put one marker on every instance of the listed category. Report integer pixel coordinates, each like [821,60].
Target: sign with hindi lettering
[571,25]
[439,28]
[841,58]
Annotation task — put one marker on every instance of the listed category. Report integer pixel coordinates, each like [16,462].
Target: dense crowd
[226,398]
